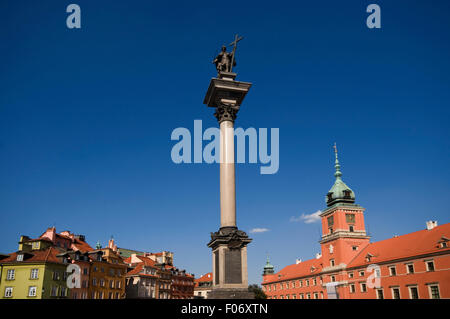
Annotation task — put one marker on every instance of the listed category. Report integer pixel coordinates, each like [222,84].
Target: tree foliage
[259,293]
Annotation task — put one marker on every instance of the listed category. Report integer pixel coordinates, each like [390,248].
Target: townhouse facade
[107,274]
[203,286]
[33,272]
[152,275]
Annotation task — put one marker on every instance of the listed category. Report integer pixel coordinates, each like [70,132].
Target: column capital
[226,112]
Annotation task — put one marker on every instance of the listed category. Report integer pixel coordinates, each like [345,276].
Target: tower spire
[340,192]
[338,172]
[268,268]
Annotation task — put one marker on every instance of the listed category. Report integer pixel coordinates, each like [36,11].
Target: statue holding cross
[225,61]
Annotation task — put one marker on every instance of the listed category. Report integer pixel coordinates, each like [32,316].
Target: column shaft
[227,176]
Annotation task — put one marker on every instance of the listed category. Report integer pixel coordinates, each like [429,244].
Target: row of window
[11,274]
[117,284]
[183,282]
[292,284]
[164,286]
[314,295]
[409,267]
[413,291]
[31,291]
[54,292]
[34,274]
[392,272]
[112,271]
[102,295]
[349,218]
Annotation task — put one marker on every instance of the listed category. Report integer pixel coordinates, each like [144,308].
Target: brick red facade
[415,265]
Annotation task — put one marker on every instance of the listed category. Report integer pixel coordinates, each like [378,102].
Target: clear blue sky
[86,117]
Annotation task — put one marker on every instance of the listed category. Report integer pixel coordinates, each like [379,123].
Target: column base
[229,252]
[230,293]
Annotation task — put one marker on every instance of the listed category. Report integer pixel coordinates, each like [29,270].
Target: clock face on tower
[330,221]
[350,218]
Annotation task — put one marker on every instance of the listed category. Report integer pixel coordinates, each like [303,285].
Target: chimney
[431,224]
[134,259]
[297,261]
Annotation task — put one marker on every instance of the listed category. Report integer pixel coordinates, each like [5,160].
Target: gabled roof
[147,261]
[413,244]
[82,246]
[63,236]
[138,270]
[47,255]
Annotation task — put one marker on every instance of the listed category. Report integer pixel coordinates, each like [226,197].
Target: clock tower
[343,230]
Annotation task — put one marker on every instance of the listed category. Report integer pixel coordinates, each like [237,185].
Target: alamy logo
[374,280]
[210,153]
[73,280]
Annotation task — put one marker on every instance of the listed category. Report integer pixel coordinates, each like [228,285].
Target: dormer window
[20,257]
[347,193]
[443,242]
[330,196]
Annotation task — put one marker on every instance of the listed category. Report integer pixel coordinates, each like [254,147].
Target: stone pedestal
[229,244]
[234,293]
[229,259]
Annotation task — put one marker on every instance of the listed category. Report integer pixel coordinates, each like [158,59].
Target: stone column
[227,173]
[229,244]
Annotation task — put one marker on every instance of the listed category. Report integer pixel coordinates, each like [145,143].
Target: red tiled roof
[413,244]
[47,255]
[205,278]
[81,245]
[147,261]
[63,236]
[136,270]
[301,269]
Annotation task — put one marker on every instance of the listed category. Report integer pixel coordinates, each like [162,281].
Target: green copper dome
[340,192]
[268,268]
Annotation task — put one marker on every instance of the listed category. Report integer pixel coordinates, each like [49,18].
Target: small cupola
[268,268]
[340,192]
